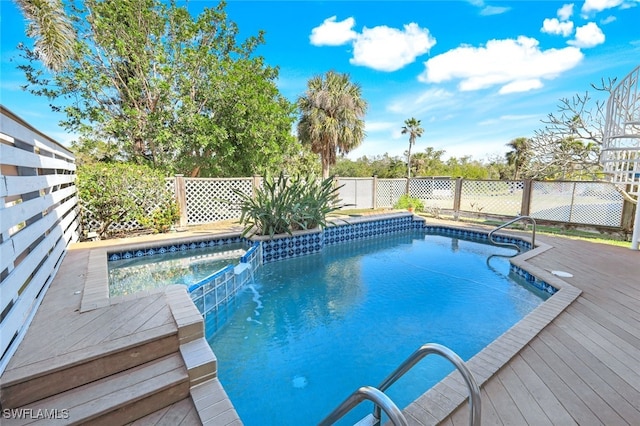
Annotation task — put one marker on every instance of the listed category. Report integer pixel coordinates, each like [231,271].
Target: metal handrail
[372,394]
[533,236]
[434,348]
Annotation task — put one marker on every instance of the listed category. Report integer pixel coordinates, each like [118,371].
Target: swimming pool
[137,272]
[312,329]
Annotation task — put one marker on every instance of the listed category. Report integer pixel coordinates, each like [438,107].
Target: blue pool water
[127,276]
[311,330]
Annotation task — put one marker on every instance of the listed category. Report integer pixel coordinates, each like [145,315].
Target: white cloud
[433,99]
[514,65]
[521,86]
[494,10]
[599,5]
[565,12]
[554,26]
[332,33]
[588,35]
[608,20]
[389,49]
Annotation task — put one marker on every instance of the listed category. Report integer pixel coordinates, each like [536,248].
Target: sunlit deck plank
[582,368]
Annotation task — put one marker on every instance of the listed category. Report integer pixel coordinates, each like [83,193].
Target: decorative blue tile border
[172,248]
[477,235]
[533,280]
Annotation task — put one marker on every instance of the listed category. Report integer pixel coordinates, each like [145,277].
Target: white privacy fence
[38,219]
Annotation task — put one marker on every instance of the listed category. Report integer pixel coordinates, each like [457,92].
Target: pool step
[32,382]
[117,399]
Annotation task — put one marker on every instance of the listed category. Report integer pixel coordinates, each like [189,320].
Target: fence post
[374,190]
[181,198]
[407,187]
[255,183]
[525,205]
[628,212]
[456,198]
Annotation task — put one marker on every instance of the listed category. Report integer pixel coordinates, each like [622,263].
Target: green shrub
[406,201]
[116,193]
[283,205]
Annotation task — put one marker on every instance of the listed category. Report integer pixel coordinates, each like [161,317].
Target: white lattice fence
[492,197]
[434,193]
[389,190]
[589,203]
[90,223]
[210,200]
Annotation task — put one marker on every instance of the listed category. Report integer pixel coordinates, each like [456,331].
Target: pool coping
[447,395]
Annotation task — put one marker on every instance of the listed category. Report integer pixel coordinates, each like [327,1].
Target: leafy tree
[429,162]
[518,156]
[412,127]
[177,92]
[52,30]
[570,142]
[332,117]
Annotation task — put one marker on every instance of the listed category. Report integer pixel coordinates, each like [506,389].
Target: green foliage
[155,85]
[332,117]
[285,205]
[406,201]
[426,163]
[118,192]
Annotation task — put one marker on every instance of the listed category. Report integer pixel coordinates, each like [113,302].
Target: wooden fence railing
[38,219]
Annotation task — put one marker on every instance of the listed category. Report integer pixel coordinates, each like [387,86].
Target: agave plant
[285,205]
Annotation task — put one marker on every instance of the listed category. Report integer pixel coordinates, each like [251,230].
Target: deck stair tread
[120,398]
[181,413]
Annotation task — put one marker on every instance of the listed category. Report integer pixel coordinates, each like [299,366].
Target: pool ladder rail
[504,225]
[383,403]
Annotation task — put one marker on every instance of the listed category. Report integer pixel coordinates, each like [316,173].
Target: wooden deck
[140,359]
[583,368]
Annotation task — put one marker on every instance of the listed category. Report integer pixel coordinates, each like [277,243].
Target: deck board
[582,368]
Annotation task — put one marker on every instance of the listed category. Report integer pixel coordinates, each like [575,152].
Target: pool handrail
[372,394]
[504,225]
[434,348]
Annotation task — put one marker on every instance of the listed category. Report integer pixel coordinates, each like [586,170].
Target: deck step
[33,382]
[114,400]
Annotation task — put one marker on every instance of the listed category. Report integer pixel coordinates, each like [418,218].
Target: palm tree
[519,155]
[50,27]
[332,117]
[411,126]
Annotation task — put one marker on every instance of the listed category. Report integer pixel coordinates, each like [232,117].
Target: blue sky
[476,73]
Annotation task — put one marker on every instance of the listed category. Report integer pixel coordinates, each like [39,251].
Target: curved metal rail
[372,394]
[504,225]
[434,348]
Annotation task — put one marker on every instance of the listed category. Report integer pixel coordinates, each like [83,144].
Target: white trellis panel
[210,200]
[389,190]
[492,197]
[596,204]
[434,192]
